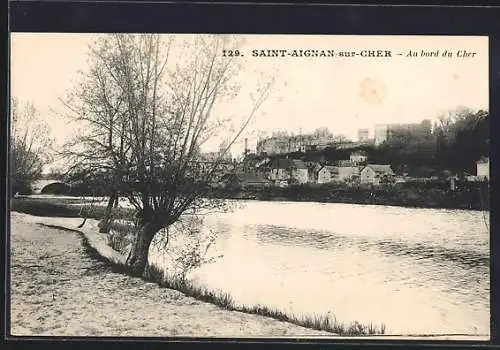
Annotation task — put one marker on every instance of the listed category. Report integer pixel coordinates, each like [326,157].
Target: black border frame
[282,18]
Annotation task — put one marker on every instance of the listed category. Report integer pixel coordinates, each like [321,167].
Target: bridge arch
[56,188]
[51,186]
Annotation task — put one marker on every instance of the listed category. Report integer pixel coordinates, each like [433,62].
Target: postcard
[263,186]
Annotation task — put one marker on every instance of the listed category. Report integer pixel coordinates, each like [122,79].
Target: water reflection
[419,271]
[270,234]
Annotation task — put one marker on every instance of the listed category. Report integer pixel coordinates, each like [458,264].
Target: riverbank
[62,213]
[66,292]
[97,243]
[468,196]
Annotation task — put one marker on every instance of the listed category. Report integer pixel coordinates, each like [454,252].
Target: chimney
[246,146]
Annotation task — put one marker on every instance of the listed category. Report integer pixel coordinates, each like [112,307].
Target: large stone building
[289,144]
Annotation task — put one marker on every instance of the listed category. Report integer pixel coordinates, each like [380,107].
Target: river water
[418,271]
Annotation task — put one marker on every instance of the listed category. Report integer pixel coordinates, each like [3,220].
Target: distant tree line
[454,143]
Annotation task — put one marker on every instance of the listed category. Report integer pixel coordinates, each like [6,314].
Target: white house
[375,173]
[358,158]
[483,168]
[328,174]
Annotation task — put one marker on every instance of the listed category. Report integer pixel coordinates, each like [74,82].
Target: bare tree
[322,132]
[30,145]
[147,120]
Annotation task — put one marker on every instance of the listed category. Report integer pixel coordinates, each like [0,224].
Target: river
[418,271]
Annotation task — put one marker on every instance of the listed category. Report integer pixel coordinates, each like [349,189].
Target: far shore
[252,195]
[469,197]
[432,195]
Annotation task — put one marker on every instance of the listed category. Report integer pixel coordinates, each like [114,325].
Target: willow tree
[148,104]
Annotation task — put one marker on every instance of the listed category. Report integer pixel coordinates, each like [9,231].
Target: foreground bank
[57,289]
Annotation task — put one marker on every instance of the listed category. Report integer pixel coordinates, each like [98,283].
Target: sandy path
[57,290]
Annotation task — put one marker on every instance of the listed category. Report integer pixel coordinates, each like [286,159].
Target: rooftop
[286,163]
[331,169]
[381,168]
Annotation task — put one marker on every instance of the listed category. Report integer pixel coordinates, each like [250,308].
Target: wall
[367,175]
[323,176]
[483,170]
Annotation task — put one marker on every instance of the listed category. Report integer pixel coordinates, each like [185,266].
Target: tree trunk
[138,256]
[105,224]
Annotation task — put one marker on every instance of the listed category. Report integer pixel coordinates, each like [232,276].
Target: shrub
[22,188]
[43,208]
[121,236]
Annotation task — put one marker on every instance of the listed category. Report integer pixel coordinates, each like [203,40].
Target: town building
[284,169]
[358,157]
[363,135]
[327,174]
[483,168]
[279,169]
[381,133]
[280,145]
[376,174]
[313,169]
[283,144]
[225,150]
[299,171]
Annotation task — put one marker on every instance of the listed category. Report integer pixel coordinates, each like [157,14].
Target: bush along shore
[323,322]
[472,196]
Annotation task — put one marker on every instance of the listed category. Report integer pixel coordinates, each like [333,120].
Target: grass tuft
[325,322]
[219,298]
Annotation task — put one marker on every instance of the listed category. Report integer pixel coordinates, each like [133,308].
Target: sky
[341,93]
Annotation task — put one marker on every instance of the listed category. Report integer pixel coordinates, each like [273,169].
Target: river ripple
[419,271]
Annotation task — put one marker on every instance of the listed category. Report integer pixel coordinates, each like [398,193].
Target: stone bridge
[39,185]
